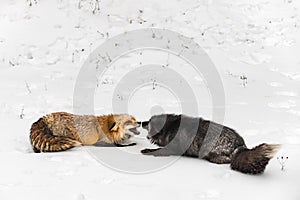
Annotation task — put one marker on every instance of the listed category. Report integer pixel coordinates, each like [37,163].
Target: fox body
[61,131]
[196,137]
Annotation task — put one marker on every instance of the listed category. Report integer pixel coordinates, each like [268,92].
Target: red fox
[61,131]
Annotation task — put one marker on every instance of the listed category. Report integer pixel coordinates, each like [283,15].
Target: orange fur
[61,131]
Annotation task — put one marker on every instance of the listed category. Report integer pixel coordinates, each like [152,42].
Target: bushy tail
[253,161]
[42,139]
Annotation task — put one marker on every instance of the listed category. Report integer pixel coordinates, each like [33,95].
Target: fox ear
[113,126]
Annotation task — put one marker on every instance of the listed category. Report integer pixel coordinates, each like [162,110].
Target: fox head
[162,129]
[124,125]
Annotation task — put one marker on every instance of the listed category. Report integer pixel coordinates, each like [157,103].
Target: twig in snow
[141,54]
[108,57]
[76,52]
[167,63]
[22,113]
[97,6]
[102,34]
[94,4]
[120,97]
[28,88]
[73,57]
[154,84]
[244,79]
[79,4]
[282,160]
[11,63]
[30,2]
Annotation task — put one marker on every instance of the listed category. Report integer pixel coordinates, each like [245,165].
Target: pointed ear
[113,126]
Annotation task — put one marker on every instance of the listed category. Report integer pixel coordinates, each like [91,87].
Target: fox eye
[128,122]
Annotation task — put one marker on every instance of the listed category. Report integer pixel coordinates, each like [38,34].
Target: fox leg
[124,142]
[124,145]
[218,159]
[104,144]
[87,137]
[146,151]
[158,152]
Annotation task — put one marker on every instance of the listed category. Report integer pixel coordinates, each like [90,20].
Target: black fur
[196,137]
[124,145]
[104,144]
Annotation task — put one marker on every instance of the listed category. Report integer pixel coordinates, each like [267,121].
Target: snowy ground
[43,47]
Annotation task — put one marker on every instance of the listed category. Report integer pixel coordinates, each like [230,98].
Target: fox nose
[139,123]
[148,137]
[145,124]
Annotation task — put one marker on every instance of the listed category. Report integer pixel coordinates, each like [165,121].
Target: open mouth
[134,131]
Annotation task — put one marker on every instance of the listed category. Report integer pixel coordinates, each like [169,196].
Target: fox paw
[132,144]
[125,145]
[147,151]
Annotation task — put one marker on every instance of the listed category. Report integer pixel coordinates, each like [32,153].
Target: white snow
[43,47]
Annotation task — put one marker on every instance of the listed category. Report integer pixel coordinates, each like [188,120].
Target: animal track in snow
[276,84]
[254,58]
[292,76]
[252,132]
[2,40]
[104,180]
[210,194]
[287,93]
[283,104]
[80,197]
[295,112]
